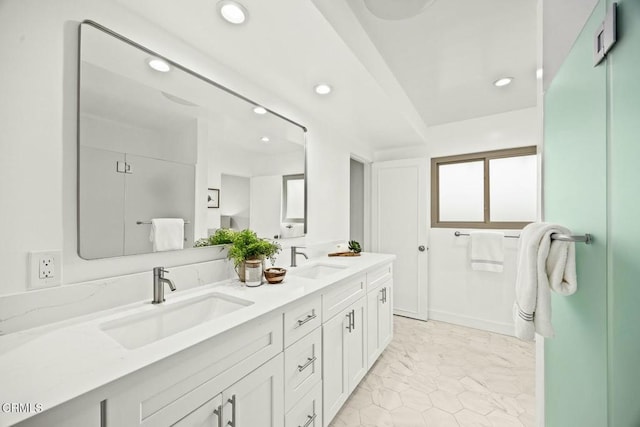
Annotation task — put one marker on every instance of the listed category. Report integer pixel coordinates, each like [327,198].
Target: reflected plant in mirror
[153,136]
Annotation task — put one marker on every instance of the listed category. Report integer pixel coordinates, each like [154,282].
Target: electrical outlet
[45,268]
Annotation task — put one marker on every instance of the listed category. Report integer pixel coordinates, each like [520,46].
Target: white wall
[38,153]
[266,201]
[458,294]
[121,137]
[235,199]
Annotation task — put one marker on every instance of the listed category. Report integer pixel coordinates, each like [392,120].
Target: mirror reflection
[167,157]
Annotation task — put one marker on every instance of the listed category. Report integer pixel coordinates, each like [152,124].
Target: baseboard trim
[472,322]
[409,314]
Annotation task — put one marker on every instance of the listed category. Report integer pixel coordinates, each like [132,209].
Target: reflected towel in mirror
[167,234]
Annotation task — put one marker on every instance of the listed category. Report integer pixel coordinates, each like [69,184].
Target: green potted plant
[222,236]
[248,246]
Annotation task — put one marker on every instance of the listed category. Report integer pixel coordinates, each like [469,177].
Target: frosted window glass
[513,188]
[295,199]
[461,187]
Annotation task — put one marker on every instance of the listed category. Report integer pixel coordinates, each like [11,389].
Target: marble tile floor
[436,374]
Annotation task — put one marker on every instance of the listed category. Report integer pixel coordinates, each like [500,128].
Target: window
[293,198]
[493,189]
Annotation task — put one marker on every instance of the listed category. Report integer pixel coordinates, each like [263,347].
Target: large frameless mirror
[160,143]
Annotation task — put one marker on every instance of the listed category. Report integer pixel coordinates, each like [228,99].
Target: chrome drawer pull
[218,413]
[310,419]
[232,423]
[310,360]
[307,319]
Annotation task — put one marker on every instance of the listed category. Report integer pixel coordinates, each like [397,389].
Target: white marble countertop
[53,364]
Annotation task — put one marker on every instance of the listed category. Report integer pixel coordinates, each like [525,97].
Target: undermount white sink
[145,328]
[317,271]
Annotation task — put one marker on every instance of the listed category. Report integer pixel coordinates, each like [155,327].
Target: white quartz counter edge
[54,364]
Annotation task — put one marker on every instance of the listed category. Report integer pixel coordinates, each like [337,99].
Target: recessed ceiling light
[259,110]
[539,73]
[265,139]
[233,11]
[159,65]
[503,81]
[322,88]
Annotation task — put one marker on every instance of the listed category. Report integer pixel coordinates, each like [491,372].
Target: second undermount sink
[317,271]
[138,330]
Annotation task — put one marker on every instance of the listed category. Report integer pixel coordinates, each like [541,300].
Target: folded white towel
[487,251]
[543,264]
[167,234]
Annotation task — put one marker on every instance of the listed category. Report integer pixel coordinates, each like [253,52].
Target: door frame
[367,222]
[423,215]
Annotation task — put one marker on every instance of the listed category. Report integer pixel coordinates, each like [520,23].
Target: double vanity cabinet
[293,364]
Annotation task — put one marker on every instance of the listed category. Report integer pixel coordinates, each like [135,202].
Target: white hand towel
[487,251]
[167,234]
[543,264]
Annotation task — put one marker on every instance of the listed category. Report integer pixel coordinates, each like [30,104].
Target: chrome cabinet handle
[349,322]
[310,419]
[232,423]
[218,413]
[421,248]
[353,320]
[308,363]
[382,295]
[306,319]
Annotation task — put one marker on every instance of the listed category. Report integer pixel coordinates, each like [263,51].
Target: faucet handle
[160,270]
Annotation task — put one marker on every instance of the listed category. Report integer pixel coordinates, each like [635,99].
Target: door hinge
[606,35]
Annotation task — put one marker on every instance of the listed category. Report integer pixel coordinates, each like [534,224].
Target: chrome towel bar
[149,222]
[587,238]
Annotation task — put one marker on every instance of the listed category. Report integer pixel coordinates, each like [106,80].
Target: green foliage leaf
[355,246]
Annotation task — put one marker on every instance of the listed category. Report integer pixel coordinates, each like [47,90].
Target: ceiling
[447,56]
[391,79]
[562,22]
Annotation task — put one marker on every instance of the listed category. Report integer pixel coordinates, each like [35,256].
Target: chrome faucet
[158,284]
[295,252]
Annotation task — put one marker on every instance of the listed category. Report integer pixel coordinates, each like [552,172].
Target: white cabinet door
[356,344]
[379,320]
[257,399]
[344,356]
[334,368]
[73,414]
[207,415]
[373,315]
[385,316]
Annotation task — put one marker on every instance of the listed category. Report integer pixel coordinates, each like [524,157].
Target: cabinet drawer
[376,277]
[302,367]
[342,296]
[308,411]
[302,319]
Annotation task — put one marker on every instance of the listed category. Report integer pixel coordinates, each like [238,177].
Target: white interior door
[400,214]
